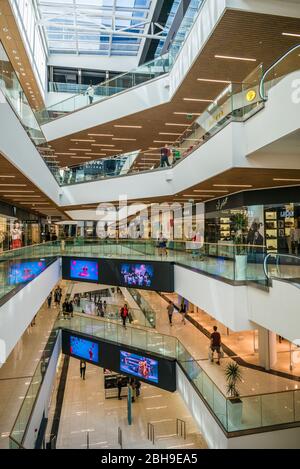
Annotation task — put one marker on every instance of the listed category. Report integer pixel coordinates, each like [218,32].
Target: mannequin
[16,235]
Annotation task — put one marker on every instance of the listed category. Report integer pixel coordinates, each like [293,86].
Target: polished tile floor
[17,372]
[86,411]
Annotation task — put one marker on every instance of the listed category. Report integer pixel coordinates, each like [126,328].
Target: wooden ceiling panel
[238,34]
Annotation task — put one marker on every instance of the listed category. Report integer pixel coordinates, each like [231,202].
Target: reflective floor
[85,410]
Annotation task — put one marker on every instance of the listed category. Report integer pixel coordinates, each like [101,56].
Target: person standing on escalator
[90,92]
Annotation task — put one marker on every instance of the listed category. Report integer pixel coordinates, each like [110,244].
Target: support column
[267,348]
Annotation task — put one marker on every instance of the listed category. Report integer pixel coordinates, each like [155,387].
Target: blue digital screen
[21,272]
[83,348]
[137,275]
[137,365]
[84,270]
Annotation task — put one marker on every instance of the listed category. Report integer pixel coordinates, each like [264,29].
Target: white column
[267,348]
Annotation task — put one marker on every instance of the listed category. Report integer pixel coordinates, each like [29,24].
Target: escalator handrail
[277,255]
[280,59]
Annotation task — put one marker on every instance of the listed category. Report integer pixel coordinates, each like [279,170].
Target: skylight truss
[99,27]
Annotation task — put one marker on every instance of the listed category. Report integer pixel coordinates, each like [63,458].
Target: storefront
[18,228]
[266,220]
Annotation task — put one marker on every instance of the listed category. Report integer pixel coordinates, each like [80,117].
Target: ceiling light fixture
[198,100]
[168,133]
[211,190]
[125,139]
[188,113]
[286,179]
[291,34]
[81,140]
[112,149]
[81,157]
[80,149]
[246,59]
[128,126]
[232,185]
[208,80]
[100,135]
[67,154]
[102,145]
[177,124]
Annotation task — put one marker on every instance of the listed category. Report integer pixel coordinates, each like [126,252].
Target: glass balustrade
[227,260]
[285,65]
[234,414]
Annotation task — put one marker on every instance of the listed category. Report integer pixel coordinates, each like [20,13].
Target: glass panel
[244,413]
[277,408]
[208,390]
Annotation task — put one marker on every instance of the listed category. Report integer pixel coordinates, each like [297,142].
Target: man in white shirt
[90,92]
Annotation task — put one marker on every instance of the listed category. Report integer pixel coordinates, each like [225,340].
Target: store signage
[251,95]
[221,203]
[287,214]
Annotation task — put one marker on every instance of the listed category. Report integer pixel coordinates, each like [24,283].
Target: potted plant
[240,225]
[233,375]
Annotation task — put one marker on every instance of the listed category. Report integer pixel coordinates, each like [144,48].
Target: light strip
[246,59]
[100,135]
[162,141]
[7,176]
[198,100]
[23,196]
[125,139]
[178,125]
[208,80]
[111,149]
[188,113]
[128,126]
[68,154]
[81,157]
[30,203]
[102,145]
[80,149]
[99,154]
[13,185]
[16,191]
[283,179]
[291,34]
[168,133]
[232,185]
[81,140]
[210,190]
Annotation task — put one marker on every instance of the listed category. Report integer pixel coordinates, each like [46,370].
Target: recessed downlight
[232,185]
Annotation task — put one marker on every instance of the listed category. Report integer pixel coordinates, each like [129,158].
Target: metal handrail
[277,256]
[150,432]
[120,437]
[261,85]
[181,428]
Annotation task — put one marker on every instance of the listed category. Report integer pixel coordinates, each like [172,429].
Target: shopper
[170,310]
[49,300]
[164,156]
[119,386]
[215,345]
[71,309]
[124,314]
[138,386]
[162,245]
[90,92]
[82,369]
[183,311]
[65,309]
[133,389]
[104,307]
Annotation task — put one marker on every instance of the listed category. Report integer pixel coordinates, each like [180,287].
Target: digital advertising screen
[84,349]
[139,366]
[21,272]
[84,270]
[137,275]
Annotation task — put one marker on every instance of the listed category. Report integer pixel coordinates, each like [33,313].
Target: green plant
[233,375]
[240,225]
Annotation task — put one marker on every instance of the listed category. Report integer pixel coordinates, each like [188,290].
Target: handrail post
[150,432]
[120,437]
[87,440]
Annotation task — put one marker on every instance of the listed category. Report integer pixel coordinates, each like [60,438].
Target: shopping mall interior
[149,295]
